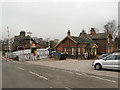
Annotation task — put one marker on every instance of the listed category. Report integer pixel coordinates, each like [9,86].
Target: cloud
[54,18]
[58,1]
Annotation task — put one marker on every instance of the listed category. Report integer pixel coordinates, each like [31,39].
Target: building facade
[23,40]
[104,40]
[77,46]
[93,44]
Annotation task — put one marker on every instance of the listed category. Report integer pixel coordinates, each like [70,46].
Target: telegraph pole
[30,39]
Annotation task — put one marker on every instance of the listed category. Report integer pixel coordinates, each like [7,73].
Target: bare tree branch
[111,27]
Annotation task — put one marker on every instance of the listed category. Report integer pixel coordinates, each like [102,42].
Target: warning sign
[33,45]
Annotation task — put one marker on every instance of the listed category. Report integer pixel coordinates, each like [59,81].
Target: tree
[111,27]
[119,31]
[52,44]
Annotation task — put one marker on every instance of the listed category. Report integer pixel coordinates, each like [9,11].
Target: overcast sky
[52,18]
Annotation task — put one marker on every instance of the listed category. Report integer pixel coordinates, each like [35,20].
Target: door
[118,57]
[117,61]
[109,61]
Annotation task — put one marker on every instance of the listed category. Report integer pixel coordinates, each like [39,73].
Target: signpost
[34,54]
[33,45]
[34,50]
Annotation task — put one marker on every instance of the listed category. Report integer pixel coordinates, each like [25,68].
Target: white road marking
[70,72]
[96,77]
[78,73]
[85,75]
[38,75]
[20,68]
[68,88]
[103,79]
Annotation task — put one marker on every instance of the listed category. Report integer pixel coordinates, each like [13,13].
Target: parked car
[110,61]
[102,56]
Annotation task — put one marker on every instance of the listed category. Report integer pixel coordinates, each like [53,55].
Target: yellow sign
[35,51]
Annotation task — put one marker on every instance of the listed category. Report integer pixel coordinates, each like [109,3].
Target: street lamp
[30,39]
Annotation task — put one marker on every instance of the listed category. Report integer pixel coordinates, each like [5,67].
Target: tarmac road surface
[24,75]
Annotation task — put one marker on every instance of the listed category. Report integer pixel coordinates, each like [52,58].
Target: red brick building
[23,40]
[93,43]
[76,46]
[104,40]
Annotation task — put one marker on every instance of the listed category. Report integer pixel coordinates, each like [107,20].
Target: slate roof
[28,39]
[97,36]
[81,39]
[84,40]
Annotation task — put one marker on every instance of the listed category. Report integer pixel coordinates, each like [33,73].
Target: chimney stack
[83,33]
[22,33]
[68,33]
[92,31]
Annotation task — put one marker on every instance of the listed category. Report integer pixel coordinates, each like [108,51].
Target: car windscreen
[111,57]
[105,55]
[118,57]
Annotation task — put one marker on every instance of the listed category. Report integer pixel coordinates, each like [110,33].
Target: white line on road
[68,88]
[68,71]
[103,79]
[85,75]
[78,73]
[20,68]
[96,77]
[71,72]
[38,75]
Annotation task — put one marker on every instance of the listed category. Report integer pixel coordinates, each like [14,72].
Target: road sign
[33,45]
[35,51]
[86,55]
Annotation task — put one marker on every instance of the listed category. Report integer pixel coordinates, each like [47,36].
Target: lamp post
[30,39]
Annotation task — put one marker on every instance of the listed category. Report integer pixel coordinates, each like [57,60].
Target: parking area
[84,66]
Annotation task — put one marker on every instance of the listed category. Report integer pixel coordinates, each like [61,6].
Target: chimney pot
[68,33]
[92,31]
[83,33]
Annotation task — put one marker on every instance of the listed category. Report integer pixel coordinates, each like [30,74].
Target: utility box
[60,56]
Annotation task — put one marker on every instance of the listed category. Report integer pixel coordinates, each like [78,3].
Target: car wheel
[98,67]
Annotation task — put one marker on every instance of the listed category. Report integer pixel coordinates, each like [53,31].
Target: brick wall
[104,45]
[101,46]
[69,44]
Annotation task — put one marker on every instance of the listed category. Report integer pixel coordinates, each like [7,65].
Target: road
[23,75]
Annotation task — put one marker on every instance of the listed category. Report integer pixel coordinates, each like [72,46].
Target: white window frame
[72,51]
[108,49]
[79,49]
[108,40]
[83,50]
[65,50]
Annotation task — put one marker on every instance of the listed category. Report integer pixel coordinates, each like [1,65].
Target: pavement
[84,66]
[30,75]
